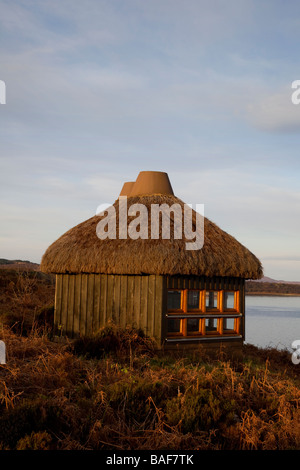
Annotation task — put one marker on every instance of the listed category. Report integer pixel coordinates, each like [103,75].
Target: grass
[112,391]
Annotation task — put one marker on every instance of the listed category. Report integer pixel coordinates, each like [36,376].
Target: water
[272,321]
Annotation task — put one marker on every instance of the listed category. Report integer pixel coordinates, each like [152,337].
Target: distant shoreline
[272,288]
[272,294]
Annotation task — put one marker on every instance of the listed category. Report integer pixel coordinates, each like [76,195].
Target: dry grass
[51,397]
[112,391]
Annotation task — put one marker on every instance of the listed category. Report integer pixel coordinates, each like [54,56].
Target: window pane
[193,299]
[174,325]
[211,325]
[192,325]
[174,299]
[229,300]
[228,325]
[211,299]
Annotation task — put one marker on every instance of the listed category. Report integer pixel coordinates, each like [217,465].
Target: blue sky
[98,90]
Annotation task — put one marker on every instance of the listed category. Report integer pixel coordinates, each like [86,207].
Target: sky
[99,90]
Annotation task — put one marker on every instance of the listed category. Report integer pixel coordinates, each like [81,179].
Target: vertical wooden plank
[151,305]
[144,304]
[221,304]
[90,303]
[58,300]
[220,326]
[116,300]
[163,307]
[103,300]
[130,296]
[242,308]
[160,325]
[123,301]
[203,300]
[96,309]
[77,304]
[83,312]
[137,302]
[184,299]
[70,307]
[110,298]
[64,303]
[237,325]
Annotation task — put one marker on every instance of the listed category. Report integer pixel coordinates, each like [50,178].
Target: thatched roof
[81,251]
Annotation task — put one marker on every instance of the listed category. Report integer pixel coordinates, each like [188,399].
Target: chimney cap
[151,182]
[126,189]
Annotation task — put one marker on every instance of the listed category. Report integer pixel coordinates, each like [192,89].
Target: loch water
[272,321]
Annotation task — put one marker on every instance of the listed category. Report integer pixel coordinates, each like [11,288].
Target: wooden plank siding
[84,303]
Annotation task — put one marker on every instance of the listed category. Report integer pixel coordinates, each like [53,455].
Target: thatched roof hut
[80,252]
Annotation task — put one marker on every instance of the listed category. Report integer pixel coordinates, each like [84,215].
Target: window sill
[203,338]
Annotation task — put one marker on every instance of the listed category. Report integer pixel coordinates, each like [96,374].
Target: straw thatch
[80,251]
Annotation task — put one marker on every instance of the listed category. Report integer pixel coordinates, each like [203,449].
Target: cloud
[275,112]
[98,91]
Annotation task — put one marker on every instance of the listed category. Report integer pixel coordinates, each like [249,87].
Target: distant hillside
[272,288]
[18,264]
[274,281]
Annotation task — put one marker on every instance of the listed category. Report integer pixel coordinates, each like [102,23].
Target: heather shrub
[113,340]
[198,410]
[35,441]
[27,417]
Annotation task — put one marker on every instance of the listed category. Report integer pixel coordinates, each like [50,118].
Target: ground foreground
[114,392]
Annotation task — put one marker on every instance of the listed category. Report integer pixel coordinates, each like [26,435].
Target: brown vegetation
[113,391]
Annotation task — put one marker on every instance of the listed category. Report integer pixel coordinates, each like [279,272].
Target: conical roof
[80,250]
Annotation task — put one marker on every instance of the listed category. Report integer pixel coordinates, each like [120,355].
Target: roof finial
[151,182]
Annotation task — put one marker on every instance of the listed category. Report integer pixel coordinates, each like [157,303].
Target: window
[193,300]
[174,325]
[212,300]
[231,301]
[198,313]
[175,299]
[211,325]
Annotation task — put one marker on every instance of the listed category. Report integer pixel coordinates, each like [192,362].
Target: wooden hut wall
[202,282]
[86,302]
